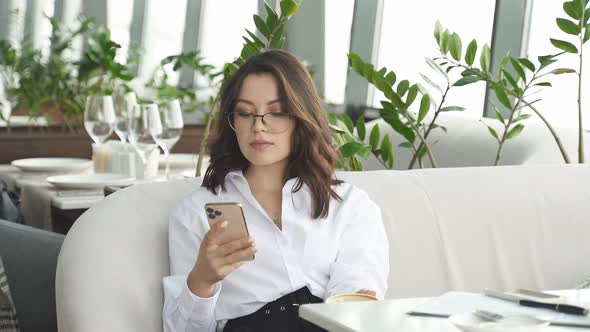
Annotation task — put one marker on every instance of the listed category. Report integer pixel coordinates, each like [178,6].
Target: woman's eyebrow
[240,100]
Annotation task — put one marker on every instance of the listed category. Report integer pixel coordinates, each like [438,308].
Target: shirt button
[282,308]
[267,312]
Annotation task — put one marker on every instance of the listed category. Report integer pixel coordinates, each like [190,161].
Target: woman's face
[268,143]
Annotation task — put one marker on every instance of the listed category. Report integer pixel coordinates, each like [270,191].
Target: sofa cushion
[8,319]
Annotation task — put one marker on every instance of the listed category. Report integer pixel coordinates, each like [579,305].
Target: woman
[313,236]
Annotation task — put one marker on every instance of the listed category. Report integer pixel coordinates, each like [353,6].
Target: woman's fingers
[213,234]
[367,292]
[235,245]
[240,255]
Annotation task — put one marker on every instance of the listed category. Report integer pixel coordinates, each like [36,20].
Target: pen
[565,308]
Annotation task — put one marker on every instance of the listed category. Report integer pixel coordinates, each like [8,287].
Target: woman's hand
[367,292]
[217,258]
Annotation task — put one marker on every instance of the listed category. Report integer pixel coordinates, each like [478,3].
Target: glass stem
[167,159]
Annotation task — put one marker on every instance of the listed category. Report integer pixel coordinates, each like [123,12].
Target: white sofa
[467,142]
[453,228]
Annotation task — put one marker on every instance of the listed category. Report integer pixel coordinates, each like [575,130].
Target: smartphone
[234,214]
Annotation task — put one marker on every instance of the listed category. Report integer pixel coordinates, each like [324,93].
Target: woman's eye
[278,114]
[244,114]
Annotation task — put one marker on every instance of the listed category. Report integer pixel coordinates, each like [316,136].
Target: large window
[407,38]
[163,31]
[339,15]
[558,103]
[119,16]
[222,29]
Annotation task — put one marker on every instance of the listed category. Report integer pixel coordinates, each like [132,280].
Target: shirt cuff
[195,308]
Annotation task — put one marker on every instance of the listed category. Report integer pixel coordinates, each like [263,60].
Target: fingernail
[224,224]
[251,240]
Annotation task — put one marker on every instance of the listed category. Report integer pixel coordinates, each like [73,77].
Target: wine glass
[167,132]
[142,118]
[99,118]
[123,107]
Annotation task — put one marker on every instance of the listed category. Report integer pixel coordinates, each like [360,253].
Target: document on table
[462,302]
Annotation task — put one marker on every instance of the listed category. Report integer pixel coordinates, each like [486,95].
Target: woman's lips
[261,146]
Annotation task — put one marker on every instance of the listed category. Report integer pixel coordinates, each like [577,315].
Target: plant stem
[203,148]
[430,127]
[553,133]
[580,125]
[422,139]
[506,127]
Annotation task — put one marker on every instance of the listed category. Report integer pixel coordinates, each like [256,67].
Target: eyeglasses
[275,122]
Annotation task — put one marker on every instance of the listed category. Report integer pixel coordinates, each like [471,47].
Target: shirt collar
[237,177]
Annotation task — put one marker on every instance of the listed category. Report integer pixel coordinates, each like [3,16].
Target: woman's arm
[362,262]
[183,310]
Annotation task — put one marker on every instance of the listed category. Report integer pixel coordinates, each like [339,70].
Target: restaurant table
[46,207]
[390,315]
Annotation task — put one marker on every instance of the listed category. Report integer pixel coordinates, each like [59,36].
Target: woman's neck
[270,178]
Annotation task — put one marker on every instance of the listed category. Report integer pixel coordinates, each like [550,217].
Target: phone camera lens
[209,210]
[211,216]
[217,213]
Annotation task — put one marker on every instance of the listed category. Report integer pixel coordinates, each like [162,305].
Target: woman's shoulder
[351,194]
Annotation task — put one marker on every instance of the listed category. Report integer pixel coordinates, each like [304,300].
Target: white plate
[182,160]
[90,181]
[52,164]
[469,322]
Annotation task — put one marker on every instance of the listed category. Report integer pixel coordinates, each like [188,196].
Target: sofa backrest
[467,142]
[461,228]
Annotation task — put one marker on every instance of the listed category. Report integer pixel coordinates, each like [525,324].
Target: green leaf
[527,63]
[365,152]
[586,33]
[350,149]
[546,60]
[568,26]
[387,150]
[522,117]
[374,137]
[390,78]
[572,10]
[394,121]
[347,122]
[518,68]
[360,127]
[336,128]
[444,42]
[513,82]
[438,29]
[544,84]
[431,83]
[502,97]
[455,46]
[261,26]
[452,108]
[499,117]
[484,59]
[467,80]
[560,71]
[515,131]
[272,19]
[288,8]
[256,40]
[437,68]
[403,87]
[405,145]
[412,93]
[470,53]
[424,107]
[493,132]
[565,46]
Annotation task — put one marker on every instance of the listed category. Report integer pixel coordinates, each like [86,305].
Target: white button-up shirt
[343,253]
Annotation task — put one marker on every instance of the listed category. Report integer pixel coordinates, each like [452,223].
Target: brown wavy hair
[313,157]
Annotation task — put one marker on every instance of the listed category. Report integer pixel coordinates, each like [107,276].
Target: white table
[390,315]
